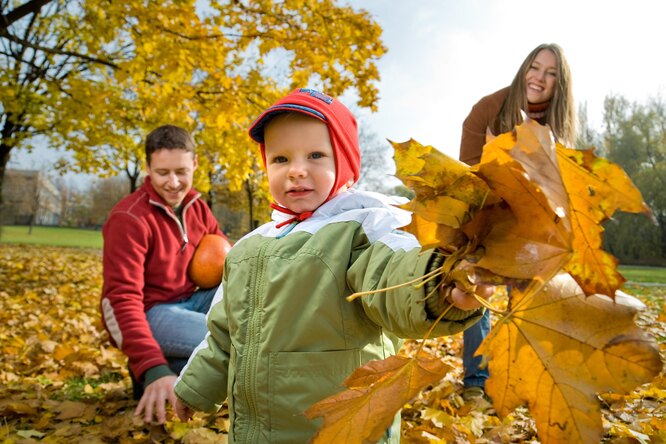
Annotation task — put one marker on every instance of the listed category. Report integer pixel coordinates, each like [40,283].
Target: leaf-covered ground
[61,381]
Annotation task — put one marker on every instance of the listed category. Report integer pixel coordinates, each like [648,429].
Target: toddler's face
[300,162]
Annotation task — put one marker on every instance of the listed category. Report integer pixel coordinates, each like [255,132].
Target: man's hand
[154,399]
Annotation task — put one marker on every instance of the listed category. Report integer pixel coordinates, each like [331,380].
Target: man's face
[171,172]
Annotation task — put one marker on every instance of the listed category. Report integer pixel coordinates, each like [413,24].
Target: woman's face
[541,77]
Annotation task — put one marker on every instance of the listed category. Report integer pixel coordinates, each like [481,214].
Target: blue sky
[444,55]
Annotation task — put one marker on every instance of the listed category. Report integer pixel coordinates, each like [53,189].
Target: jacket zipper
[181,226]
[254,329]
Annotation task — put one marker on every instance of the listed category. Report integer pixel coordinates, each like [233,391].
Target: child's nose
[297,169]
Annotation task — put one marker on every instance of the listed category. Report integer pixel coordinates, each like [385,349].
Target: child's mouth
[299,192]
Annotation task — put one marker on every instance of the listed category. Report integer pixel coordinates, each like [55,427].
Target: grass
[79,388]
[639,273]
[52,236]
[74,237]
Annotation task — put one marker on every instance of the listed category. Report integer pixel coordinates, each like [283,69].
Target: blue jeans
[179,327]
[472,338]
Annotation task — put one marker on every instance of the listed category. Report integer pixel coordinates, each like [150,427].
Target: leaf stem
[432,327]
[426,276]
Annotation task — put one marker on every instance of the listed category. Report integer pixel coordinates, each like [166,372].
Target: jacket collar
[353,199]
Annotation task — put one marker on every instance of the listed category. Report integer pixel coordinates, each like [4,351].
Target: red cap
[341,124]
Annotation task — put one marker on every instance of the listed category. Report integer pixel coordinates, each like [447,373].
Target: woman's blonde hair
[561,113]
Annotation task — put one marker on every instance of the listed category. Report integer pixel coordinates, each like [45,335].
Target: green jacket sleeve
[202,385]
[401,310]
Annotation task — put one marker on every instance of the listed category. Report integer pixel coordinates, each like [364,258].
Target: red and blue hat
[342,129]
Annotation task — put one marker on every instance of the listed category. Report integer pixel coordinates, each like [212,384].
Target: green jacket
[284,337]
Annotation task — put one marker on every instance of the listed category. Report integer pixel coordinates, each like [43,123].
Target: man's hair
[168,137]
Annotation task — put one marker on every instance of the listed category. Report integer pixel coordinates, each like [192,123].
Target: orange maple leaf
[376,392]
[532,238]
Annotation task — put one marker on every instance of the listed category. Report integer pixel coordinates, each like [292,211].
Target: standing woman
[542,90]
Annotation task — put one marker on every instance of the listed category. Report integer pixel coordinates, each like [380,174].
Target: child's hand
[466,301]
[184,412]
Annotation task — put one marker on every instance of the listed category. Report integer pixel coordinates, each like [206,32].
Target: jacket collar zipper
[181,226]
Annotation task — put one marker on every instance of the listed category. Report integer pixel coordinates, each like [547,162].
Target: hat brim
[257,128]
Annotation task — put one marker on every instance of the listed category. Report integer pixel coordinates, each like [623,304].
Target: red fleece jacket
[146,254]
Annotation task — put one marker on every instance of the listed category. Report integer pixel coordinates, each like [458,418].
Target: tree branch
[20,41]
[30,7]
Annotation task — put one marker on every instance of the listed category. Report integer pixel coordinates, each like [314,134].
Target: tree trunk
[132,181]
[661,218]
[133,177]
[250,206]
[210,197]
[4,159]
[5,150]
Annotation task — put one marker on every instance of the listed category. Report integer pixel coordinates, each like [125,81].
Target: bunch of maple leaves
[529,215]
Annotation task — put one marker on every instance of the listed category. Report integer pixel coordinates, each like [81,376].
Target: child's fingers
[464,301]
[485,291]
[184,413]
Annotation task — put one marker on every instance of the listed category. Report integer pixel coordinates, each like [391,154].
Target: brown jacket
[482,117]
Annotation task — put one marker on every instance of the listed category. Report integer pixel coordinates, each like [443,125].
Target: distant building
[29,196]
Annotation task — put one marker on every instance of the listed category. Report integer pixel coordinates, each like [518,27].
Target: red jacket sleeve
[126,245]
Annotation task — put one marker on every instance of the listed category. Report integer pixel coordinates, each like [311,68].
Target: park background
[440,58]
[79,92]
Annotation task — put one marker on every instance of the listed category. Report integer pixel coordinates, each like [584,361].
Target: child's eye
[316,155]
[279,159]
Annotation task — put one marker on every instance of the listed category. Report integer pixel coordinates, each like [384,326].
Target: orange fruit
[207,264]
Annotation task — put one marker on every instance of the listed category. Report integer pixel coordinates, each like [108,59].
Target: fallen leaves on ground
[61,381]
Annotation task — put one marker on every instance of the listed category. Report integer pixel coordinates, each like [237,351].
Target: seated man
[152,310]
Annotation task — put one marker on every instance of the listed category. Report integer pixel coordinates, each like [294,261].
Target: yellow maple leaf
[446,191]
[558,349]
[596,188]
